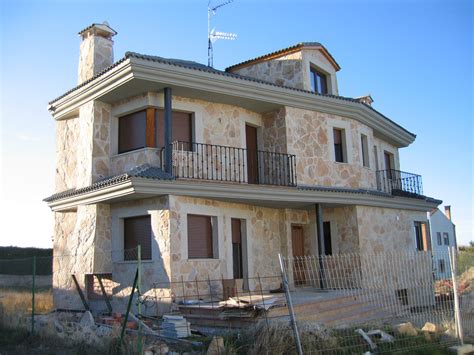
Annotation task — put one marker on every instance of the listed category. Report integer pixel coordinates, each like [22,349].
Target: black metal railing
[231,164]
[399,183]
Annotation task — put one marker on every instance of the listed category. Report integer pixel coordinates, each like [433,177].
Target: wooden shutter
[137,231]
[199,237]
[132,131]
[182,125]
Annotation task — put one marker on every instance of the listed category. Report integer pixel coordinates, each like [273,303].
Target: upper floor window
[137,231]
[132,131]
[318,81]
[438,235]
[146,128]
[365,150]
[446,238]
[339,145]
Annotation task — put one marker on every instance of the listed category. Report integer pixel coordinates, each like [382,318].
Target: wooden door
[297,242]
[252,150]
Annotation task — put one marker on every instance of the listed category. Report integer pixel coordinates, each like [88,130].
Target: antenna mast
[212,35]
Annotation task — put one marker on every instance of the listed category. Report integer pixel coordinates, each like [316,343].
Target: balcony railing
[232,164]
[399,183]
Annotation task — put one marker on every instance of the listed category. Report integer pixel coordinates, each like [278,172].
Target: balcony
[399,183]
[231,164]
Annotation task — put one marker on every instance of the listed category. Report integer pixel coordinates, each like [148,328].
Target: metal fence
[344,303]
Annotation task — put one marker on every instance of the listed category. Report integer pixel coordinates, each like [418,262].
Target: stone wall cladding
[344,229]
[283,71]
[387,230]
[66,154]
[266,234]
[101,141]
[307,134]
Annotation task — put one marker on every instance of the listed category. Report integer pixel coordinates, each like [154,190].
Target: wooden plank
[150,127]
[81,295]
[104,294]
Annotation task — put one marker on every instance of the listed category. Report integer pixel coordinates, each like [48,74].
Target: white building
[443,235]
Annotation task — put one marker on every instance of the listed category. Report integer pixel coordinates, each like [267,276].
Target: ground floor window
[137,231]
[237,248]
[200,237]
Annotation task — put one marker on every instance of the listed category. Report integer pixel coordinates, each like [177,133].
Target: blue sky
[414,57]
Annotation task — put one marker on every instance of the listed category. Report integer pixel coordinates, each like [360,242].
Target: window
[446,238]
[365,150]
[438,235]
[420,236]
[146,128]
[237,263]
[132,131]
[339,145]
[318,82]
[200,237]
[137,231]
[327,238]
[182,126]
[442,266]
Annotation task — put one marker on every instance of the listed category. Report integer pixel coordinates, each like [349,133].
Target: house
[214,173]
[443,236]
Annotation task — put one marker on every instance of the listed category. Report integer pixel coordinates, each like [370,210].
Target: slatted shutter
[132,131]
[137,231]
[199,237]
[182,125]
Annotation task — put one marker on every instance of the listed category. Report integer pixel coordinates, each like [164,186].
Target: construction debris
[175,326]
[366,338]
[216,347]
[381,335]
[406,329]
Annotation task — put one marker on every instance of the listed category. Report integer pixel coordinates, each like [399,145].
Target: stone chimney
[367,99]
[96,51]
[447,212]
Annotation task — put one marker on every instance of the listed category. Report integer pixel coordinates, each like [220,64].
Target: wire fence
[344,303]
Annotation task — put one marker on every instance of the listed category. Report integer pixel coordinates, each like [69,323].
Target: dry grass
[16,304]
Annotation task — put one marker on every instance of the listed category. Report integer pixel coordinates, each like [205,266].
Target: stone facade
[293,70]
[283,71]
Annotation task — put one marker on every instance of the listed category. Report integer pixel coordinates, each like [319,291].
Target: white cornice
[135,68]
[239,193]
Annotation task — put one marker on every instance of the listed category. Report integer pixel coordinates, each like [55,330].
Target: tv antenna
[213,35]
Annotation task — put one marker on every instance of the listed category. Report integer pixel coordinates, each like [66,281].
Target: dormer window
[318,81]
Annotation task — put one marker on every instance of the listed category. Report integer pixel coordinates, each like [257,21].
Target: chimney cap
[366,99]
[101,29]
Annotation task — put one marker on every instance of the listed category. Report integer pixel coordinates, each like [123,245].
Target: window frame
[143,256]
[343,144]
[214,238]
[446,238]
[439,238]
[316,73]
[152,132]
[364,145]
[442,266]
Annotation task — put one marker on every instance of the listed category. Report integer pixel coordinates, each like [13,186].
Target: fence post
[139,289]
[33,296]
[290,306]
[457,312]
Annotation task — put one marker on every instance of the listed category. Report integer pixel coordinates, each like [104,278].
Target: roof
[285,51]
[145,171]
[201,67]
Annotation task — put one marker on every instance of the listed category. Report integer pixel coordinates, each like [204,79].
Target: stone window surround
[314,67]
[347,140]
[222,235]
[156,100]
[217,232]
[385,147]
[118,232]
[370,143]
